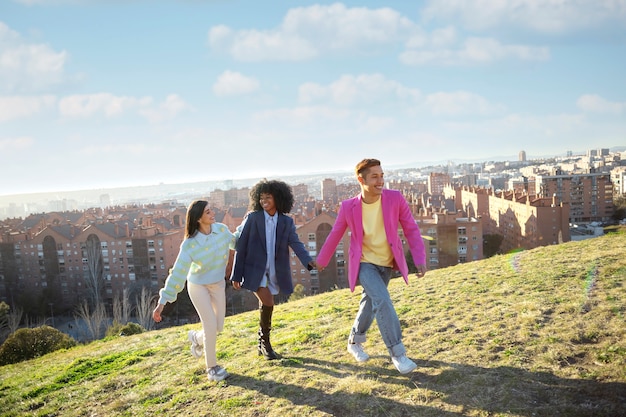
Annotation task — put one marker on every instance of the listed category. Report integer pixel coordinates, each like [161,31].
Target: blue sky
[97,94]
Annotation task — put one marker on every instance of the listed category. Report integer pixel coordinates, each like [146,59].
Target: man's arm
[328,248]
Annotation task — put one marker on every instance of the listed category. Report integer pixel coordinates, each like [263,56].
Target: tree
[143,308]
[121,308]
[94,277]
[94,318]
[491,244]
[298,293]
[10,320]
[619,203]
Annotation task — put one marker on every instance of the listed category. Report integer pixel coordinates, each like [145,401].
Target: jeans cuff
[397,350]
[356,338]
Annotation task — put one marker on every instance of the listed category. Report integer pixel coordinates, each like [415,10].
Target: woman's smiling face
[267,202]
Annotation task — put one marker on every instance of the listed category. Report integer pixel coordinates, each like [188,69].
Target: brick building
[54,265]
[524,221]
[589,196]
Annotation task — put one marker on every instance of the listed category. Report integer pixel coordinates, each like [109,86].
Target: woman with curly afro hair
[262,253]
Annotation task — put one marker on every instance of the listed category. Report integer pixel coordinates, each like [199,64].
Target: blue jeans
[376,303]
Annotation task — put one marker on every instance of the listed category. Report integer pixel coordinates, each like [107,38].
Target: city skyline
[18,205]
[184,92]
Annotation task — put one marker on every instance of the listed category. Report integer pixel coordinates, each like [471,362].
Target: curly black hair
[283,196]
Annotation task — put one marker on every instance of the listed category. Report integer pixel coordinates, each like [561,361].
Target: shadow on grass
[336,404]
[472,389]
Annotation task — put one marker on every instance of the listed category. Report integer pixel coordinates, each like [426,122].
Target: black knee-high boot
[265,348]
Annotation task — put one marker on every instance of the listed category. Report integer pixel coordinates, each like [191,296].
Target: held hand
[236,285]
[156,314]
[421,270]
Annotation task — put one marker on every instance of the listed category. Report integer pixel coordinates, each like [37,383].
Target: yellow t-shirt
[376,248]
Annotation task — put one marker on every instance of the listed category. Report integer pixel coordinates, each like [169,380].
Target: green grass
[534,333]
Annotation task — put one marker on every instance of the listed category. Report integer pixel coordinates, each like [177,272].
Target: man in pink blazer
[373,218]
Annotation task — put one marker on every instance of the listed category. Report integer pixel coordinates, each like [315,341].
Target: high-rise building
[329,191]
[522,156]
[437,182]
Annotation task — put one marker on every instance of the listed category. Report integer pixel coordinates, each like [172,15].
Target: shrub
[27,344]
[117,329]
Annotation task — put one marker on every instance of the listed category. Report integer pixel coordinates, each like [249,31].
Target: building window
[312,237]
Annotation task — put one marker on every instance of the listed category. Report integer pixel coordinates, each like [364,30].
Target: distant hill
[534,333]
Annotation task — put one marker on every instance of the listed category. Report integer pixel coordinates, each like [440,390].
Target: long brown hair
[194,212]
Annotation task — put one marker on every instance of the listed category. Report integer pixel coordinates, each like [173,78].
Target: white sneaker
[217,373]
[357,351]
[403,364]
[196,349]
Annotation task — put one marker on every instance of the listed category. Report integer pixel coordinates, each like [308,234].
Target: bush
[27,344]
[117,329]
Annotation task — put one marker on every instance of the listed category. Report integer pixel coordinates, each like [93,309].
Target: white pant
[210,303]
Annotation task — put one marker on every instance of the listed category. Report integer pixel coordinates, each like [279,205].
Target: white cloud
[16,107]
[10,144]
[307,32]
[28,67]
[110,106]
[460,103]
[231,83]
[546,16]
[89,105]
[358,90]
[168,109]
[474,51]
[595,104]
[303,116]
[377,124]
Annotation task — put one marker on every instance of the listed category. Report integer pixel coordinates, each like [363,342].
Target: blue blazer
[251,252]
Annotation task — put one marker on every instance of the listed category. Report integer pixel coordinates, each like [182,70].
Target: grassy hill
[535,333]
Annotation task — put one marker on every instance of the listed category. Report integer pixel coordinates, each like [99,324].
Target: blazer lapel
[357,215]
[280,225]
[259,221]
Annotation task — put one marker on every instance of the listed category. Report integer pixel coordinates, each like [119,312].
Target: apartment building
[313,234]
[618,179]
[450,238]
[437,181]
[300,192]
[524,221]
[233,197]
[55,265]
[589,195]
[329,191]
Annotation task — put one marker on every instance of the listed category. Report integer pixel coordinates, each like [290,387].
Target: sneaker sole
[218,379]
[406,371]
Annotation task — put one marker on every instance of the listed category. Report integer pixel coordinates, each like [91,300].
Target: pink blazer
[396,212]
